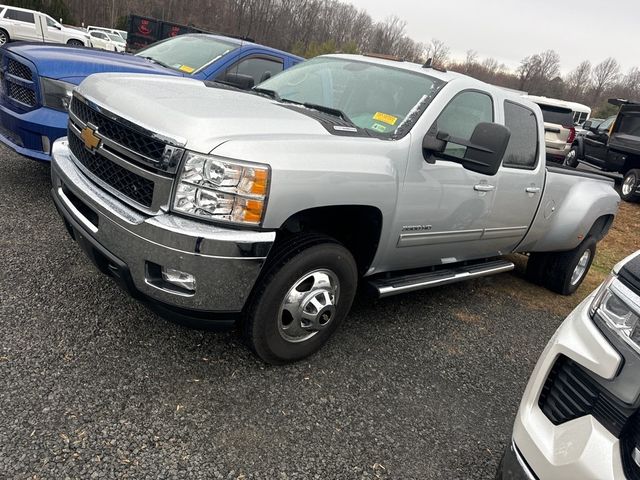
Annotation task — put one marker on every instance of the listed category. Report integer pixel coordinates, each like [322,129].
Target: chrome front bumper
[225,262]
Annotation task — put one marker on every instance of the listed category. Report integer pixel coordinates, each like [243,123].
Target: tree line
[313,27]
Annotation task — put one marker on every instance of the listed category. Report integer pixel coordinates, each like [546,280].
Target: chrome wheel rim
[628,184]
[581,267]
[3,38]
[309,306]
[568,160]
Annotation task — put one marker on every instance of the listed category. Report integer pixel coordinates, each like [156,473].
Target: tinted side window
[460,117]
[522,149]
[260,69]
[629,125]
[20,16]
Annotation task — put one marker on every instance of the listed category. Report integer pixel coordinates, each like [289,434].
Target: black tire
[4,37]
[556,269]
[75,43]
[290,262]
[571,160]
[536,267]
[630,185]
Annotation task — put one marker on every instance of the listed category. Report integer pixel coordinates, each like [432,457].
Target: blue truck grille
[19,70]
[135,187]
[127,137]
[18,84]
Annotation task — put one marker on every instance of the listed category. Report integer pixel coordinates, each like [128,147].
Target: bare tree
[578,81]
[604,75]
[438,52]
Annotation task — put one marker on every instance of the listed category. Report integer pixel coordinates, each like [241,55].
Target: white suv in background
[580,414]
[31,26]
[107,41]
[559,128]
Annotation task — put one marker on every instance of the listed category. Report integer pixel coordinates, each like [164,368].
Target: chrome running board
[388,286]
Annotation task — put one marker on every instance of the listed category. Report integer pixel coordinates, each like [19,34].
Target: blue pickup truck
[36,80]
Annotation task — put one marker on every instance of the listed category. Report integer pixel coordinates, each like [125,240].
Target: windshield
[381,99]
[187,53]
[115,38]
[123,34]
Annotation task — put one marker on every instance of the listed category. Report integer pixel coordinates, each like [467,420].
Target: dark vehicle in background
[143,31]
[613,146]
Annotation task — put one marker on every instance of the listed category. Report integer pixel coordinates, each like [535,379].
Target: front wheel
[571,160]
[306,292]
[631,186]
[75,43]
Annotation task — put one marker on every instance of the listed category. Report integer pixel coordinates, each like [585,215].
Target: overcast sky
[509,30]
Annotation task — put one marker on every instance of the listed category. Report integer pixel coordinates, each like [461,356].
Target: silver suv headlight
[224,190]
[56,93]
[619,307]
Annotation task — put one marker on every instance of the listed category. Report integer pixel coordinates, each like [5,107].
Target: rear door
[558,122]
[24,25]
[520,180]
[98,39]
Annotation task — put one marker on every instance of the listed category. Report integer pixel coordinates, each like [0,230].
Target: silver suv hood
[186,109]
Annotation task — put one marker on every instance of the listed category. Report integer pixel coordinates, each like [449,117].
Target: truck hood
[74,64]
[187,110]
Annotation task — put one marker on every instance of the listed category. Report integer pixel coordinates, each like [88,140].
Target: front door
[595,143]
[442,207]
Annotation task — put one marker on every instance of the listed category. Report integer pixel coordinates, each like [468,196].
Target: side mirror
[484,151]
[239,80]
[587,125]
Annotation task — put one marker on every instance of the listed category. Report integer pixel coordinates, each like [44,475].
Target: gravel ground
[93,385]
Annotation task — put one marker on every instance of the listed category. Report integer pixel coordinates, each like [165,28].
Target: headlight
[56,94]
[619,307]
[218,189]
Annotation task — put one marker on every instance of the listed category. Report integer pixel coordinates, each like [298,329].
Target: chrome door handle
[484,187]
[532,189]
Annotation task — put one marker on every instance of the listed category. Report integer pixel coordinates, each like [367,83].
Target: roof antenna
[428,63]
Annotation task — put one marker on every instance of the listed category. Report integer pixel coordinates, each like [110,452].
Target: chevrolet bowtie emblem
[90,139]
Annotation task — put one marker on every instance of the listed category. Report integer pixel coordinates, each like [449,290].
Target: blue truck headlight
[220,189]
[619,307]
[56,93]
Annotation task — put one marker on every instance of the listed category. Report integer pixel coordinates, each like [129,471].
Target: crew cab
[579,416]
[32,26]
[36,80]
[613,146]
[269,208]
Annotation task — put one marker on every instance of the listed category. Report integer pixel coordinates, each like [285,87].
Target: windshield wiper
[322,108]
[269,93]
[162,64]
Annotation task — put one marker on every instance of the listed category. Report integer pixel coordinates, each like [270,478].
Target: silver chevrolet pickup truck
[268,209]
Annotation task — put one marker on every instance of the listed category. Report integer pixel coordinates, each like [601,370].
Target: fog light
[179,279]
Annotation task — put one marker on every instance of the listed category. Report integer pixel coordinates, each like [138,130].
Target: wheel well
[601,227]
[357,227]
[630,163]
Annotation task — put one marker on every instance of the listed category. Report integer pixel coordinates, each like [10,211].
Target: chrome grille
[19,70]
[135,187]
[129,138]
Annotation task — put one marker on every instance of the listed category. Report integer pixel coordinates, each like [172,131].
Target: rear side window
[19,16]
[522,150]
[462,115]
[557,115]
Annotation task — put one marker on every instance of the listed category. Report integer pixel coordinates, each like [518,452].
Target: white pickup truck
[32,26]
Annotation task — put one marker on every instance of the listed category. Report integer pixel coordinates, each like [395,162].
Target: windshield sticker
[386,118]
[186,68]
[379,128]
